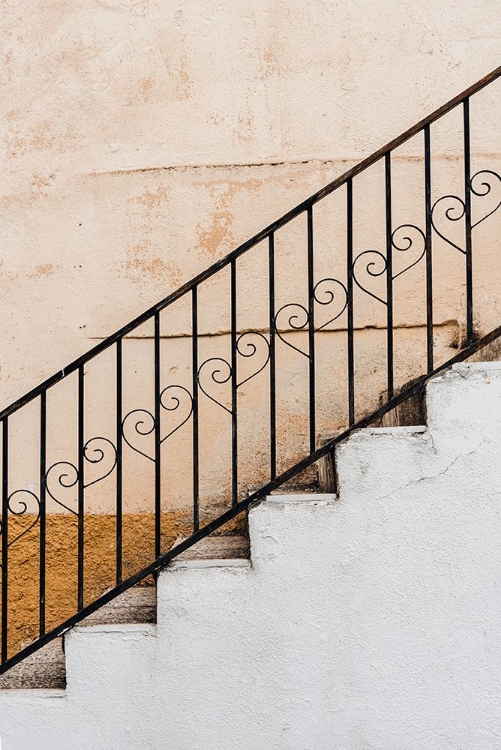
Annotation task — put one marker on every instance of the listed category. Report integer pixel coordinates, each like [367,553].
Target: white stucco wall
[370,621]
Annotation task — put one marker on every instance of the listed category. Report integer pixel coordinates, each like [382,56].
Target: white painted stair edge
[368,622]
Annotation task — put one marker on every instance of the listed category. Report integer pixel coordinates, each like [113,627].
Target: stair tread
[43,670]
[137,605]
[215,548]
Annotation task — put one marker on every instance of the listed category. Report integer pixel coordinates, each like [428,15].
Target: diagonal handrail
[244,505]
[248,244]
[244,343]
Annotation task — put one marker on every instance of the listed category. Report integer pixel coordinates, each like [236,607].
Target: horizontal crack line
[341,160]
[292,331]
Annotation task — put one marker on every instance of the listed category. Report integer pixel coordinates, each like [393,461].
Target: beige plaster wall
[142,140]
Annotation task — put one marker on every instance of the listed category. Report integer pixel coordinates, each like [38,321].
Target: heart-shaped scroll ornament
[332,294]
[291,316]
[63,476]
[177,400]
[329,293]
[447,208]
[370,264]
[217,371]
[214,371]
[22,503]
[407,239]
[482,184]
[255,346]
[485,184]
[174,399]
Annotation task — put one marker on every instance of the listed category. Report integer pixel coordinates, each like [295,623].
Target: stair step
[302,497]
[43,670]
[46,668]
[137,605]
[213,549]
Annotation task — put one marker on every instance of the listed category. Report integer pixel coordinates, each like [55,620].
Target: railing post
[349,292]
[158,445]
[428,246]
[234,383]
[119,502]
[273,406]
[389,275]
[5,538]
[467,207]
[81,489]
[311,332]
[43,487]
[194,369]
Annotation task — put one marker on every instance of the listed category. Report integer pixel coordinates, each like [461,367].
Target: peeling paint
[142,267]
[151,199]
[46,269]
[218,235]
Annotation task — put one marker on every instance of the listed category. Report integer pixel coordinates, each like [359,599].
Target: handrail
[248,244]
[244,505]
[334,285]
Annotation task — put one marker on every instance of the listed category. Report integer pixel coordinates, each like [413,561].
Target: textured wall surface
[370,621]
[141,140]
[132,159]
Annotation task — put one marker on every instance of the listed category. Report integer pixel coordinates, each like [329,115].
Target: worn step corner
[213,548]
[43,670]
[136,605]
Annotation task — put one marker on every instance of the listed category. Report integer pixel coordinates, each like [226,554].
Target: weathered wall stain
[153,198]
[141,267]
[217,237]
[46,269]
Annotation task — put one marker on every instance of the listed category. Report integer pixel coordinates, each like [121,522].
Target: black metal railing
[267,363]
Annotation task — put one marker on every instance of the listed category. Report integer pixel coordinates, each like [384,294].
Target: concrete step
[46,669]
[213,550]
[138,604]
[43,670]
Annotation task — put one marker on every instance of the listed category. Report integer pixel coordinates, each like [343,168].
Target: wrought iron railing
[289,358]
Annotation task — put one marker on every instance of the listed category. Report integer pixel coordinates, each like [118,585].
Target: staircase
[366,619]
[173,448]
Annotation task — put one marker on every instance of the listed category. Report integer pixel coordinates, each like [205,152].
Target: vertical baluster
[428,246]
[349,289]
[81,488]
[194,369]
[43,469]
[158,474]
[311,331]
[119,499]
[389,277]
[273,413]
[467,206]
[234,399]
[5,536]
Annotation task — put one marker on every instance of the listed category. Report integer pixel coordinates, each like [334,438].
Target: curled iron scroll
[172,398]
[248,345]
[481,185]
[404,239]
[64,475]
[19,503]
[297,318]
[326,292]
